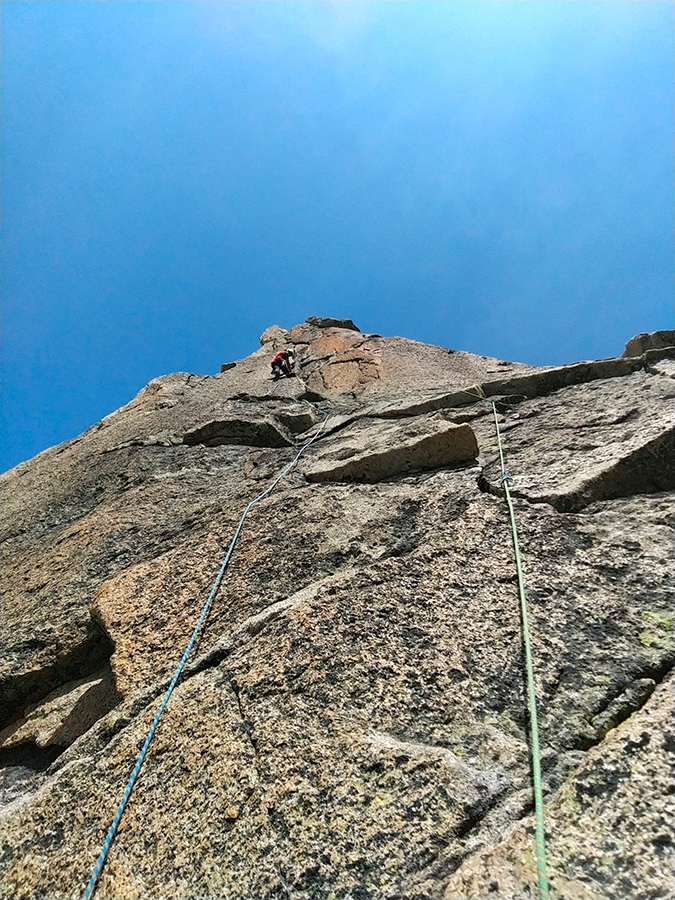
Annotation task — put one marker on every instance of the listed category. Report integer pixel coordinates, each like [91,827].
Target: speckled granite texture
[351,725]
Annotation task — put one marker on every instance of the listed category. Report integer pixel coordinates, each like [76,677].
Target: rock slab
[372,452]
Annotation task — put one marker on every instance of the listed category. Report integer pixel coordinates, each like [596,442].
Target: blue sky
[489,176]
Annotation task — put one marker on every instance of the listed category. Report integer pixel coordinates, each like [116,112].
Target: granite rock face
[341,363]
[655,340]
[374,451]
[352,721]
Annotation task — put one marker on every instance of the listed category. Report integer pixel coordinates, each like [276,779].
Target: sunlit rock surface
[352,721]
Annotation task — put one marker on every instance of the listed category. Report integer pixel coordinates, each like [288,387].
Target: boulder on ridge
[653,340]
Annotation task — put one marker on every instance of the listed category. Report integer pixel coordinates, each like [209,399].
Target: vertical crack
[247,727]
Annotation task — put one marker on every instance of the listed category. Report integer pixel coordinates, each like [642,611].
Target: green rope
[531,697]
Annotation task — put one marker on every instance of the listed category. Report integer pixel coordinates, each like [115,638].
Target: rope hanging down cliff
[542,877]
[100,862]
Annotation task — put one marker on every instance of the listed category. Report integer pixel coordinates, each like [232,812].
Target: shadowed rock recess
[352,722]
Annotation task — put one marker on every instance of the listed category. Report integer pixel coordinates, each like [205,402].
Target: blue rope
[112,831]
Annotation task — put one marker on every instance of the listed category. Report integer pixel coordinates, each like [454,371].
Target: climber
[282,364]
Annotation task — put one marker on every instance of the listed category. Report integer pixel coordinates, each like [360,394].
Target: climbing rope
[110,837]
[539,832]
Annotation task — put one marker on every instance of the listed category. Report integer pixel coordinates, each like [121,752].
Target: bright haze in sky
[488,176]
